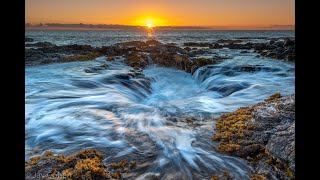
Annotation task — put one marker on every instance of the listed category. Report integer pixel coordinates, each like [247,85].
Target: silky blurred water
[143,118]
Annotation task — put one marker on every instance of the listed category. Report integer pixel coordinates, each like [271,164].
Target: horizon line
[80,26]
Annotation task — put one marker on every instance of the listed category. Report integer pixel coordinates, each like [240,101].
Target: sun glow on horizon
[149,21]
[150,26]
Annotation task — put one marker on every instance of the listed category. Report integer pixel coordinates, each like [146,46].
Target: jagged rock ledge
[139,54]
[262,134]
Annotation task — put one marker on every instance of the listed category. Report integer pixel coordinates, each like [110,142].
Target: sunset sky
[163,12]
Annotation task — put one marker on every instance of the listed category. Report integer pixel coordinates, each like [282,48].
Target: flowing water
[163,119]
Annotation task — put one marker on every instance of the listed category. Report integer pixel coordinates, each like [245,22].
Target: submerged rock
[249,68]
[228,89]
[96,69]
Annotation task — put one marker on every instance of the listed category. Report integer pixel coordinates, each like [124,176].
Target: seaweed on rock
[85,164]
[242,133]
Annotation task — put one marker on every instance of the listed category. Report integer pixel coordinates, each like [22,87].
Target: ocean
[109,37]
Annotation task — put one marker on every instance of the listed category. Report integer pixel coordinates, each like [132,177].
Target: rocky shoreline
[262,134]
[139,54]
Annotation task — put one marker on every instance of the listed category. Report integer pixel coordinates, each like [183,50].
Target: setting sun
[150,25]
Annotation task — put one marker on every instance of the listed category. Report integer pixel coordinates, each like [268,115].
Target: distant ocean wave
[109,37]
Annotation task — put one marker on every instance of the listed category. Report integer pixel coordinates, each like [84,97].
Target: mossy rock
[234,134]
[85,164]
[273,97]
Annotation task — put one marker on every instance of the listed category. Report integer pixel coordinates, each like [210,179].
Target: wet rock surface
[263,134]
[26,39]
[40,44]
[277,119]
[139,54]
[57,54]
[96,69]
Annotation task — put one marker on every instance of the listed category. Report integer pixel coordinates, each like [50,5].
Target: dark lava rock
[40,44]
[250,150]
[248,45]
[38,57]
[196,63]
[49,53]
[215,46]
[229,41]
[194,53]
[263,134]
[277,49]
[26,39]
[116,50]
[196,44]
[289,42]
[136,59]
[271,42]
[233,45]
[187,49]
[96,69]
[279,43]
[264,53]
[260,46]
[278,118]
[152,42]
